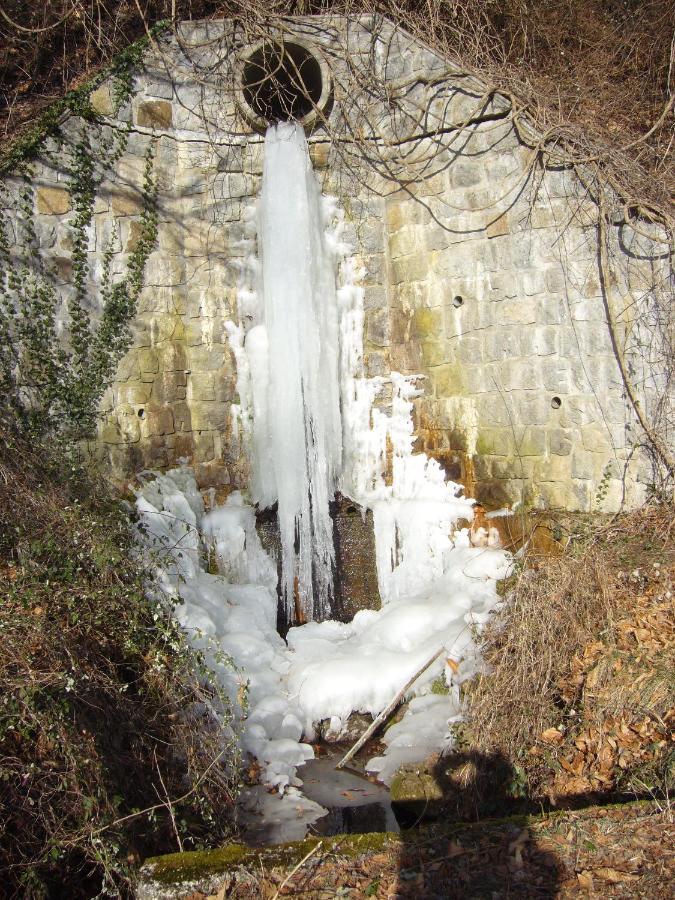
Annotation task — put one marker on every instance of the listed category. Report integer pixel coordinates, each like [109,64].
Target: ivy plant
[57,355]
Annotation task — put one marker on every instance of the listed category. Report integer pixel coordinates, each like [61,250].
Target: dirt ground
[622,851]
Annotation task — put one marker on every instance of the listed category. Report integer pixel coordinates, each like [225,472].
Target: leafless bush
[107,750]
[551,610]
[583,640]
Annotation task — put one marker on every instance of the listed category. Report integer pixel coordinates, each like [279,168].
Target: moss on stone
[177,868]
[484,446]
[448,378]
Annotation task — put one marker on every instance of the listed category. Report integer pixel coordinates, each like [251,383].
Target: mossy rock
[174,875]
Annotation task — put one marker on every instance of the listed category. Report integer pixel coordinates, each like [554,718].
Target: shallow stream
[354,804]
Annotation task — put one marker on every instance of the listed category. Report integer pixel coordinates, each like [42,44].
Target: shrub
[109,746]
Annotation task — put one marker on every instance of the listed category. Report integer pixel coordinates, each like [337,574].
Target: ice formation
[313,423]
[231,616]
[291,358]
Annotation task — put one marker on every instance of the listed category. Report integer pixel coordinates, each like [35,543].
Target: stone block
[169,387]
[448,380]
[154,114]
[498,227]
[554,495]
[533,408]
[374,268]
[135,393]
[128,368]
[520,374]
[162,270]
[127,202]
[209,416]
[377,364]
[400,213]
[208,359]
[140,332]
[52,201]
[578,411]
[556,375]
[594,438]
[131,233]
[182,416]
[502,343]
[434,352]
[194,333]
[436,238]
[427,324]
[554,279]
[553,468]
[162,327]
[541,340]
[468,351]
[204,446]
[532,442]
[561,441]
[159,421]
[173,358]
[378,330]
[101,100]
[464,173]
[493,442]
[551,310]
[202,386]
[148,360]
[402,242]
[586,465]
[521,311]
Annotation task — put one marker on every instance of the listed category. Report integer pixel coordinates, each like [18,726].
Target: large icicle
[297,432]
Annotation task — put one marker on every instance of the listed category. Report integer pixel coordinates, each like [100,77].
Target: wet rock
[417,791]
[333,732]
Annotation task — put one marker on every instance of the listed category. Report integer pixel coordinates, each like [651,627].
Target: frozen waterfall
[293,356]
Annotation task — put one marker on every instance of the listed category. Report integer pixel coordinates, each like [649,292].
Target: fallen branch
[386,712]
[292,873]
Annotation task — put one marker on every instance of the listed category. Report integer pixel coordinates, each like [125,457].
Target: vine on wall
[58,356]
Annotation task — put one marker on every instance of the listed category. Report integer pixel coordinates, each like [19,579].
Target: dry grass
[581,690]
[553,607]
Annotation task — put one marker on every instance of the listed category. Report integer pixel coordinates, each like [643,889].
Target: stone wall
[480,269]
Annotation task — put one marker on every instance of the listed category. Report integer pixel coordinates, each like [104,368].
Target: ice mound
[231,616]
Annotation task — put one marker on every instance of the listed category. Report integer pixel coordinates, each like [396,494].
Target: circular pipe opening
[282,81]
[556,403]
[457,301]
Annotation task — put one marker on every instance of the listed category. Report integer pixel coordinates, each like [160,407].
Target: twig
[387,710]
[168,803]
[605,282]
[150,809]
[292,873]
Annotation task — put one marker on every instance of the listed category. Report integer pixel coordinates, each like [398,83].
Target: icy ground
[280,690]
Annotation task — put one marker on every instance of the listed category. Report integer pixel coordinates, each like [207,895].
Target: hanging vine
[58,356]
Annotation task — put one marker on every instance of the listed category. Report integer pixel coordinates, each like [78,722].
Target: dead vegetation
[580,694]
[597,75]
[107,751]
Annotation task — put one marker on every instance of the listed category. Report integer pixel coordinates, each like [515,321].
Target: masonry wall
[480,272]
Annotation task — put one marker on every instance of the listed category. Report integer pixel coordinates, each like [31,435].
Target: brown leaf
[613,876]
[551,736]
[585,880]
